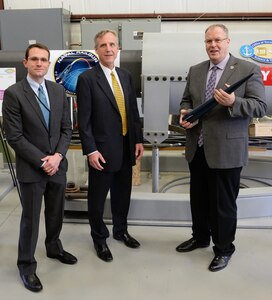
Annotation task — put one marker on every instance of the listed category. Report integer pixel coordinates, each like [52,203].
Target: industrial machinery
[166,61]
[159,71]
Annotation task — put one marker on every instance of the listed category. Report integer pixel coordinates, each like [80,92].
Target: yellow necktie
[120,103]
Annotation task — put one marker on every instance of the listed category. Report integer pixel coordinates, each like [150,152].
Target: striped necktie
[211,84]
[208,94]
[120,102]
[43,105]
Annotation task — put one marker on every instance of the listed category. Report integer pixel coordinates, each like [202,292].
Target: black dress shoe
[103,252]
[32,282]
[191,245]
[218,263]
[128,240]
[65,258]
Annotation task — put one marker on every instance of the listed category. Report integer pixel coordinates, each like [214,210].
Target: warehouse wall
[143,6]
[199,7]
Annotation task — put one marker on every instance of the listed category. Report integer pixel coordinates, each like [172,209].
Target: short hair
[222,26]
[36,45]
[101,33]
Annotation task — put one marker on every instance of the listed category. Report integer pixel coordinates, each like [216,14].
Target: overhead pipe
[178,16]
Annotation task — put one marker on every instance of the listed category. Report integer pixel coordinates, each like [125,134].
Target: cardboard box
[260,129]
[136,173]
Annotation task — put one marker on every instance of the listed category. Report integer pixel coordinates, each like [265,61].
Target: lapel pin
[231,67]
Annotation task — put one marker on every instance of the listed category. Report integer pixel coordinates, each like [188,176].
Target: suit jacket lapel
[53,104]
[228,72]
[202,77]
[105,87]
[30,96]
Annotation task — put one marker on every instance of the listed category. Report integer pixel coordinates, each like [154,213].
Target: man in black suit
[111,137]
[39,132]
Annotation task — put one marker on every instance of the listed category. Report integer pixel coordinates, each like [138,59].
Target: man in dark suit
[111,137]
[39,132]
[217,145]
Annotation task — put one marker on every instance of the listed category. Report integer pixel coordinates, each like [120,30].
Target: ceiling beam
[178,16]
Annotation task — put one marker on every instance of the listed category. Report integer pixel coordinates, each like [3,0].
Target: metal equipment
[159,72]
[21,27]
[167,58]
[130,32]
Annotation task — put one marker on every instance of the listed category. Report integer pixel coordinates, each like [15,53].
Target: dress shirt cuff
[60,155]
[230,111]
[92,153]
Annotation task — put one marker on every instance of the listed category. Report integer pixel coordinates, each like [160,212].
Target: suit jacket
[26,131]
[225,130]
[99,120]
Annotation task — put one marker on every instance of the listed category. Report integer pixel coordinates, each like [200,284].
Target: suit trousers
[53,191]
[119,184]
[213,194]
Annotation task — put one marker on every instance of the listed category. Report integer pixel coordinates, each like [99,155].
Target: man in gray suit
[38,127]
[217,145]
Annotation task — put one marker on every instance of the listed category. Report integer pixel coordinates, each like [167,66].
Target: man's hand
[186,124]
[224,98]
[139,150]
[95,159]
[51,165]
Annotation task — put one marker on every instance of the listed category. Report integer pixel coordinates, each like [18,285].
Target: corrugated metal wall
[103,7]
[144,6]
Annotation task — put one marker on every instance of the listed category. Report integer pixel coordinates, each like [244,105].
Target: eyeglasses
[217,41]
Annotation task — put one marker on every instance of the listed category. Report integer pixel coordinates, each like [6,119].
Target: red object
[267,75]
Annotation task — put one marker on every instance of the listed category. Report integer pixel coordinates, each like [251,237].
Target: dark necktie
[208,94]
[43,105]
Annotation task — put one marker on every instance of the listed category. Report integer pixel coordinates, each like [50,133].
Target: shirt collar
[106,70]
[34,84]
[222,64]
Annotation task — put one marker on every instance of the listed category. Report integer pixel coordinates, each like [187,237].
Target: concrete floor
[155,271]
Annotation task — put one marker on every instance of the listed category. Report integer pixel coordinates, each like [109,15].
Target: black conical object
[202,109]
